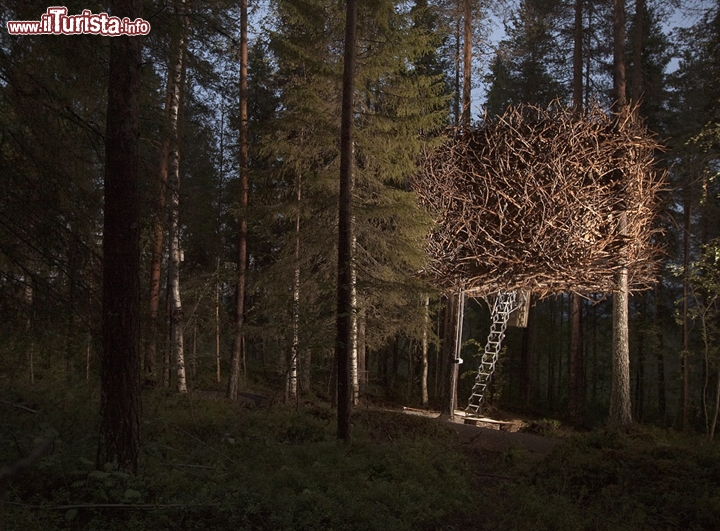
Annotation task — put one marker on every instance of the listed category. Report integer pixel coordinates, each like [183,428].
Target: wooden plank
[478,421]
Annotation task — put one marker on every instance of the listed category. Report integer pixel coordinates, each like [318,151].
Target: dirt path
[495,440]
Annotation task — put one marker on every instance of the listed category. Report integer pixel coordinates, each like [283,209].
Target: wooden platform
[488,423]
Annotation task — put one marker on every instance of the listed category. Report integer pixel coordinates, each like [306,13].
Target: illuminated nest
[534,200]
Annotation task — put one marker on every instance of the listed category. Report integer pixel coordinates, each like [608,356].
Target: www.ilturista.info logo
[56,21]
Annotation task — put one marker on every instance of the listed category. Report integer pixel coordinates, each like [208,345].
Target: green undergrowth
[213,465]
[609,480]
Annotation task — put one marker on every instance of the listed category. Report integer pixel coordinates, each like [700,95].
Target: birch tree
[175,100]
[343,346]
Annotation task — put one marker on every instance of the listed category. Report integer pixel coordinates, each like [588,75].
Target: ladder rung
[505,304]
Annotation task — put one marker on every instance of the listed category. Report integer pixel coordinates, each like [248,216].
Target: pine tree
[120,373]
[620,404]
[397,98]
[527,67]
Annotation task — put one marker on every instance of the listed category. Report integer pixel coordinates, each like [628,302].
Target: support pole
[457,360]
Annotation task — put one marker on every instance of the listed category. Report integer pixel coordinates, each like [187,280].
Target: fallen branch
[144,506]
[24,408]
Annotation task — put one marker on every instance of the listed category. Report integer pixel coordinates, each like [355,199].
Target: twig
[18,406]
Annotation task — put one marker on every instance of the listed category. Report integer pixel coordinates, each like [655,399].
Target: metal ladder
[505,303]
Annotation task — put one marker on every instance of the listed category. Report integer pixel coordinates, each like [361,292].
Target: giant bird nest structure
[545,200]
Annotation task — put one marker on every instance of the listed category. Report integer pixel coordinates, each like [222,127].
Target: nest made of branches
[547,200]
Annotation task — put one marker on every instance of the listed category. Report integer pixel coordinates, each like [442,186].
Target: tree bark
[662,399]
[292,384]
[578,56]
[457,96]
[217,323]
[193,372]
[159,218]
[238,344]
[620,402]
[354,324]
[29,336]
[362,352]
[685,354]
[577,365]
[120,404]
[619,79]
[424,363]
[176,310]
[637,48]
[343,345]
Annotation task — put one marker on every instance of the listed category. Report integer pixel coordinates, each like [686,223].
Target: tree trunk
[551,355]
[237,349]
[292,384]
[176,310]
[620,402]
[526,366]
[29,329]
[354,325]
[168,337]
[343,346]
[578,56]
[70,342]
[305,384]
[194,353]
[457,97]
[217,323]
[716,410]
[467,64]
[411,369]
[662,400]
[640,369]
[362,353]
[88,356]
[577,369]
[150,359]
[120,404]
[424,364]
[637,49]
[577,363]
[619,79]
[685,354]
[594,357]
[395,362]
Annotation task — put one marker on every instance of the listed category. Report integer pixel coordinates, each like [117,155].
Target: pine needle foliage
[397,99]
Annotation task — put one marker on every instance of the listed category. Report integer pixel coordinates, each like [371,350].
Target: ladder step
[505,304]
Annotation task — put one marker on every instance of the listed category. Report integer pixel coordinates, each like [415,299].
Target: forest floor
[501,432]
[216,465]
